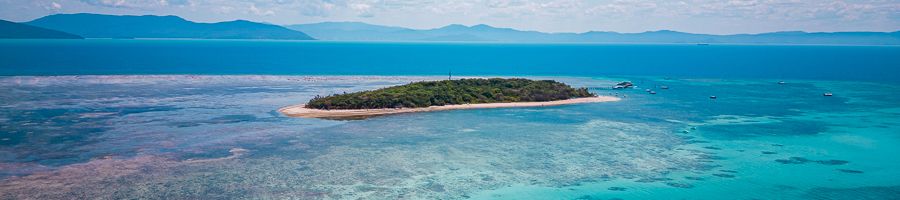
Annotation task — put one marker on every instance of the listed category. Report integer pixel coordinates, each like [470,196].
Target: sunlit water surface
[208,137]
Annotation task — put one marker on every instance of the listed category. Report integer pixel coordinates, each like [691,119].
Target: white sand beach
[300,111]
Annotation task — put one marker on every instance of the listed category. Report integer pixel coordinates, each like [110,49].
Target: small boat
[647,90]
[664,87]
[827,94]
[702,44]
[623,85]
[781,82]
[652,92]
[712,97]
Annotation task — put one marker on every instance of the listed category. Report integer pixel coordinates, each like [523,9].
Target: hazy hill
[353,31]
[12,30]
[149,26]
[481,32]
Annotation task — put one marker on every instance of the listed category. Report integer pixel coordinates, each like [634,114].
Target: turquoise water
[219,137]
[215,136]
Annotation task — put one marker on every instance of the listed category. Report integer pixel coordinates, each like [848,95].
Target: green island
[452,92]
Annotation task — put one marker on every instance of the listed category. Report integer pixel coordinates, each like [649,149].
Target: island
[472,93]
[167,27]
[12,30]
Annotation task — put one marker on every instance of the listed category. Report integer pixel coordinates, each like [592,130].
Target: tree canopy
[450,92]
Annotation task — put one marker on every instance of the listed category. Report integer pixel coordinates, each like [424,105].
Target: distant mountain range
[356,31]
[149,26]
[10,29]
[367,32]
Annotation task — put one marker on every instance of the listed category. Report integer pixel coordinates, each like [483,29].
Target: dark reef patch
[793,160]
[650,180]
[724,175]
[832,162]
[801,160]
[680,185]
[850,171]
[710,157]
[695,178]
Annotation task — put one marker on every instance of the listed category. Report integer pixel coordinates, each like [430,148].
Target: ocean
[196,119]
[224,57]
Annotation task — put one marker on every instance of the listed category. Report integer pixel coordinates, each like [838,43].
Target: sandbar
[300,111]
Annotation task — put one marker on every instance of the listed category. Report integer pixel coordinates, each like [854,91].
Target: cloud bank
[701,16]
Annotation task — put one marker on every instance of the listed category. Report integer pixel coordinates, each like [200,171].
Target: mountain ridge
[90,25]
[484,32]
[168,26]
[13,30]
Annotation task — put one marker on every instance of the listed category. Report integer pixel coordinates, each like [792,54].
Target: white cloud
[258,11]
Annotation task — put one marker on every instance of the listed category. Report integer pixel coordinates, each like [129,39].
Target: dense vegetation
[448,92]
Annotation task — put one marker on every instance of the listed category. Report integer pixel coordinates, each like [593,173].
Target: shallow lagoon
[220,137]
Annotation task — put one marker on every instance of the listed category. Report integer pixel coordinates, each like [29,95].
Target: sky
[695,16]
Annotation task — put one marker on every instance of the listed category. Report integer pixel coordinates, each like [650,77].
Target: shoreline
[299,111]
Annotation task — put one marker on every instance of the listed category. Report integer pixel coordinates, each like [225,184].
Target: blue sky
[698,16]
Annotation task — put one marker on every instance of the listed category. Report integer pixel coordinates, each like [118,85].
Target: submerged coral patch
[801,160]
[680,185]
[695,178]
[793,160]
[850,171]
[724,175]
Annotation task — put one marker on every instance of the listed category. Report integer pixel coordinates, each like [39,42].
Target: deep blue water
[80,57]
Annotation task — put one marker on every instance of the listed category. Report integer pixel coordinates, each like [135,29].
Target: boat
[781,82]
[623,85]
[827,94]
[647,90]
[712,97]
[664,87]
[652,92]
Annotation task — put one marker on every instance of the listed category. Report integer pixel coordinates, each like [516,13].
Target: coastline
[300,111]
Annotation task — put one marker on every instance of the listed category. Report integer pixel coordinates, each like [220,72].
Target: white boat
[827,94]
